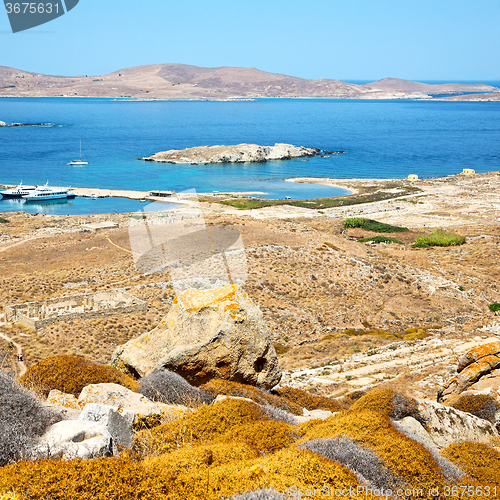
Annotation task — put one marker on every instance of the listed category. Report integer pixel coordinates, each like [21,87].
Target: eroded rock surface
[118,424]
[446,425]
[71,439]
[128,402]
[472,366]
[207,334]
[232,154]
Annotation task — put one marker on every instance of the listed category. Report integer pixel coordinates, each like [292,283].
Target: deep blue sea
[381,139]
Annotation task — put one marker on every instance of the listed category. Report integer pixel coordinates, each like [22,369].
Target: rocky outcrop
[232,154]
[118,424]
[65,404]
[444,425]
[472,366]
[3,124]
[71,439]
[131,405]
[207,334]
[58,398]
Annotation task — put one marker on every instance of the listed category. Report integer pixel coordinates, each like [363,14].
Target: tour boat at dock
[17,192]
[41,193]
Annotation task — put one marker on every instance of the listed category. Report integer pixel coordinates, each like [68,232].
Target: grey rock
[414,426]
[71,439]
[125,400]
[313,415]
[3,124]
[207,334]
[117,421]
[64,411]
[321,414]
[446,425]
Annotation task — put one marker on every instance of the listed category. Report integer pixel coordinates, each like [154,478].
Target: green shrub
[3,221]
[354,222]
[480,405]
[372,225]
[381,239]
[70,374]
[421,245]
[440,239]
[494,307]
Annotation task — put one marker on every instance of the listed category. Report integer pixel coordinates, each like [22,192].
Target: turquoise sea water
[381,139]
[79,206]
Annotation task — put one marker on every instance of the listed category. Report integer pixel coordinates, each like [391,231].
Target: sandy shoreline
[327,182]
[141,195]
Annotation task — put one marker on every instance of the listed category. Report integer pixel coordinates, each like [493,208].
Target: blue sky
[346,40]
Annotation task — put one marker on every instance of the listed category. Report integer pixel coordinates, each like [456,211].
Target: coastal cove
[382,139]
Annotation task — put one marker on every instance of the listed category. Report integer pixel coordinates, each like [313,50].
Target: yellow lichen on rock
[477,353]
[56,397]
[194,300]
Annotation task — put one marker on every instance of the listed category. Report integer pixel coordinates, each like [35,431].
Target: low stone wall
[38,315]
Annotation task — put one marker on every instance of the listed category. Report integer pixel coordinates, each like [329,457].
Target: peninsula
[182,81]
[240,153]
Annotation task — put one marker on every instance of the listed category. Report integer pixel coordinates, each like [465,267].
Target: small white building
[162,194]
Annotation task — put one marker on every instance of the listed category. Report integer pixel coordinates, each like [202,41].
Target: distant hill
[181,81]
[409,86]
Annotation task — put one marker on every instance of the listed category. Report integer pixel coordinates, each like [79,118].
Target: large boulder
[65,404]
[131,405]
[472,366]
[71,439]
[207,334]
[445,425]
[58,398]
[118,424]
[3,124]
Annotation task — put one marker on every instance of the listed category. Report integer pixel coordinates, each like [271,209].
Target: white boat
[80,161]
[17,192]
[41,193]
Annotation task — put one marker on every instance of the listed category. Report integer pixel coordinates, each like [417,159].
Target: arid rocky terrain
[181,81]
[338,309]
[239,153]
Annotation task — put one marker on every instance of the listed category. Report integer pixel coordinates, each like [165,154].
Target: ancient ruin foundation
[37,315]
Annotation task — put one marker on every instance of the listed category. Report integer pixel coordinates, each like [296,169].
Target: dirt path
[22,366]
[118,246]
[3,249]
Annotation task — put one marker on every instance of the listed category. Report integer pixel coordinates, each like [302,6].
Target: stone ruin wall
[37,315]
